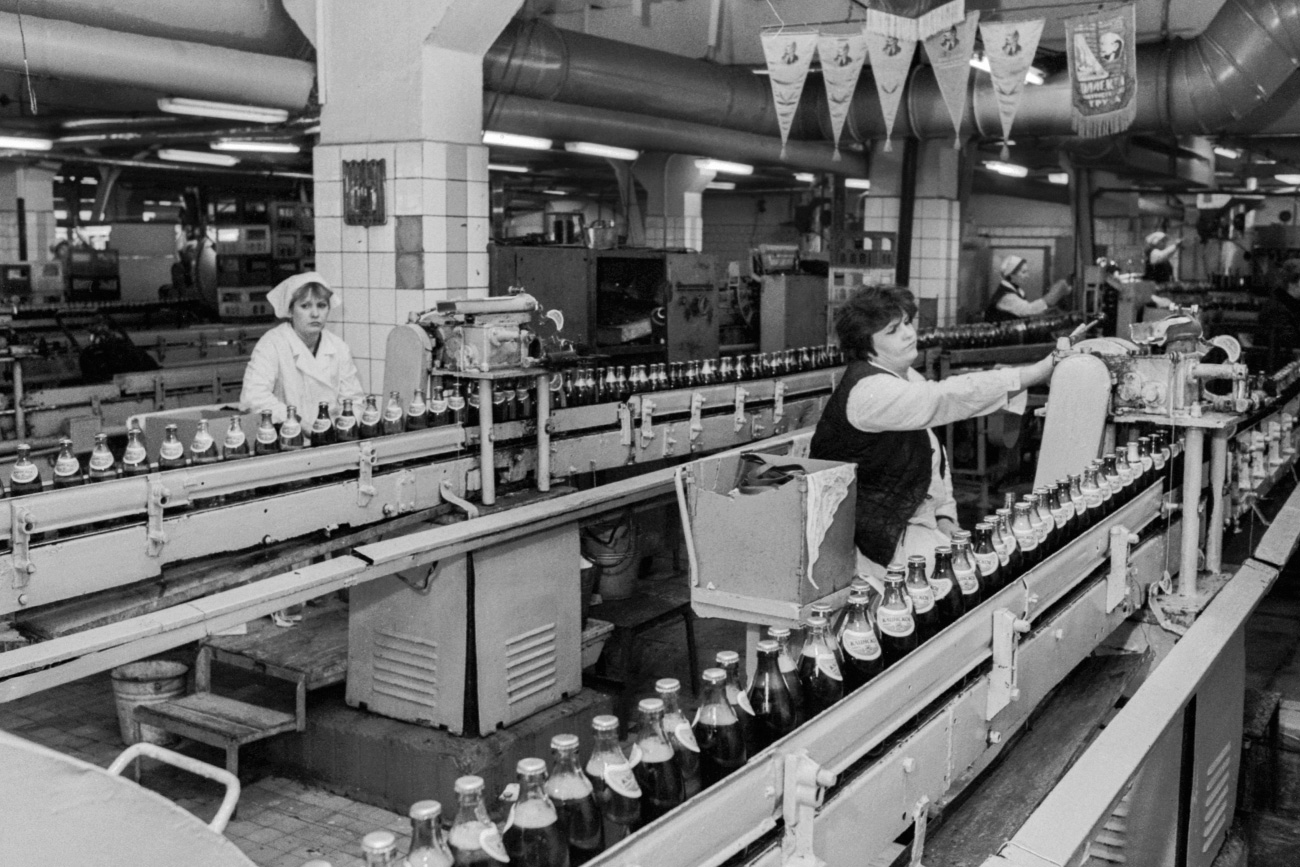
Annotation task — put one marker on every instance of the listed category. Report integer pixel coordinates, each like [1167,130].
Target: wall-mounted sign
[363,193]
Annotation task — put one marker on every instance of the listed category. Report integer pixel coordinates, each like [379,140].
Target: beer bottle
[617,791]
[987,560]
[474,838]
[499,412]
[171,454]
[894,618]
[921,593]
[1026,539]
[560,388]
[379,849]
[203,448]
[417,412]
[428,847]
[661,783]
[291,435]
[1093,500]
[729,661]
[394,419]
[102,462]
[965,571]
[1110,465]
[438,414]
[235,444]
[575,801]
[346,429]
[1015,561]
[859,644]
[533,836]
[1077,503]
[268,438]
[774,713]
[820,678]
[67,469]
[789,668]
[1130,465]
[1147,460]
[686,752]
[717,730]
[322,429]
[371,419]
[456,410]
[1063,509]
[1161,453]
[1038,526]
[1104,485]
[135,459]
[25,477]
[612,388]
[526,396]
[947,595]
[1051,538]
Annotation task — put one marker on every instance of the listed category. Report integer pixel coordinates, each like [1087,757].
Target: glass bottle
[609,388]
[1014,564]
[774,712]
[1090,488]
[1037,525]
[686,752]
[393,420]
[610,773]
[729,661]
[1078,503]
[987,561]
[268,439]
[321,432]
[371,422]
[67,468]
[428,847]
[135,458]
[575,801]
[457,412]
[235,445]
[661,784]
[1063,510]
[1147,460]
[417,412]
[1110,464]
[474,838]
[102,465]
[1051,538]
[526,397]
[500,407]
[470,390]
[171,454]
[291,435]
[894,619]
[965,571]
[717,730]
[860,644]
[346,428]
[1161,453]
[533,836]
[1104,485]
[922,595]
[1130,467]
[1026,538]
[789,666]
[25,476]
[820,677]
[947,595]
[379,849]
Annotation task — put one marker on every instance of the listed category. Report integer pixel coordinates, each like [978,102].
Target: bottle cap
[816,620]
[727,657]
[981,526]
[915,558]
[778,632]
[469,785]
[605,723]
[423,810]
[943,550]
[668,685]
[714,675]
[768,646]
[651,705]
[530,767]
[564,742]
[821,607]
[378,841]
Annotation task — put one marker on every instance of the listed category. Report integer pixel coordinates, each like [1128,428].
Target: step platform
[218,721]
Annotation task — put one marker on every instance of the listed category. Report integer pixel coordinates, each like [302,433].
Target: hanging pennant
[914,19]
[788,54]
[1102,51]
[842,56]
[1009,47]
[950,53]
[891,59]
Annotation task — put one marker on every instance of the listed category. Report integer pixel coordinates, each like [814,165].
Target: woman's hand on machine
[1037,373]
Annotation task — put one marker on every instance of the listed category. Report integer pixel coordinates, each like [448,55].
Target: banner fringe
[1111,123]
[782,149]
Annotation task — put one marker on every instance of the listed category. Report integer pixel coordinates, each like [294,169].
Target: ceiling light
[201,157]
[554,192]
[724,167]
[510,140]
[592,149]
[1058,178]
[1011,170]
[1265,161]
[857,184]
[257,147]
[1227,153]
[88,179]
[506,167]
[720,185]
[225,110]
[805,177]
[23,143]
[1287,179]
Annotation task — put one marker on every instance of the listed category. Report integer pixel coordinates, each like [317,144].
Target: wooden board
[1076,417]
[217,720]
[315,650]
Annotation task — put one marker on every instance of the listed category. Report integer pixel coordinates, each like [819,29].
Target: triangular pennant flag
[788,53]
[842,57]
[891,58]
[950,53]
[1009,47]
[914,19]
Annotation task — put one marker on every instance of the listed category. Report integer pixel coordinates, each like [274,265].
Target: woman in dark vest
[1009,303]
[1160,249]
[880,415]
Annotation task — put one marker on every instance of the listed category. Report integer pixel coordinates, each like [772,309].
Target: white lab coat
[282,370]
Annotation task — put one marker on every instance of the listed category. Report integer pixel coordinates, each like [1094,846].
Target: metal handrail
[185,763]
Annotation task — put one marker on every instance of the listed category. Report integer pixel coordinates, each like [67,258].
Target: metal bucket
[602,236]
[611,544]
[137,684]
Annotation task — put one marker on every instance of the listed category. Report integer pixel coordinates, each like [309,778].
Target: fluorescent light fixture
[557,192]
[593,149]
[857,184]
[1227,153]
[90,180]
[724,167]
[1011,170]
[510,140]
[1265,161]
[719,185]
[24,143]
[1033,75]
[1062,178]
[805,177]
[257,147]
[225,110]
[506,167]
[204,158]
[1287,179]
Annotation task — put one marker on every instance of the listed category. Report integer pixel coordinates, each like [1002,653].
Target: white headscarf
[1155,238]
[281,297]
[1010,264]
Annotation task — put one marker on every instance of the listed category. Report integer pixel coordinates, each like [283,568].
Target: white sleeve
[888,403]
[349,378]
[1163,255]
[1017,306]
[260,377]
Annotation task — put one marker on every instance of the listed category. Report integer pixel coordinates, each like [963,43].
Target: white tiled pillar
[674,209]
[35,186]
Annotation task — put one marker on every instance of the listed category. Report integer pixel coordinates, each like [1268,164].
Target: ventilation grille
[1108,847]
[530,663]
[406,667]
[1217,798]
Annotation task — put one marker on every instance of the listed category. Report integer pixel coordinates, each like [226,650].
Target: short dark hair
[867,311]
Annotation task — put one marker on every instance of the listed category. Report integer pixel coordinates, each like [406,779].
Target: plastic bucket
[137,684]
[611,544]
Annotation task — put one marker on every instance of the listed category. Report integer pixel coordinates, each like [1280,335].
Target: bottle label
[1158,461]
[686,736]
[634,756]
[66,465]
[969,586]
[742,702]
[1147,463]
[1068,506]
[368,417]
[321,425]
[785,663]
[621,779]
[235,439]
[1060,517]
[922,598]
[1093,500]
[201,443]
[1004,553]
[134,454]
[861,645]
[101,460]
[827,665]
[987,563]
[171,450]
[942,587]
[437,407]
[24,473]
[345,422]
[290,429]
[1027,541]
[896,623]
[393,413]
[266,435]
[490,842]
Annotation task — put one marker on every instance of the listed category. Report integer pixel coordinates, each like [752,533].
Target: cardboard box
[752,551]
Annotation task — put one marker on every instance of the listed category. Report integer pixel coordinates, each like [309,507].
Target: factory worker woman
[1009,303]
[880,418]
[298,363]
[1160,249]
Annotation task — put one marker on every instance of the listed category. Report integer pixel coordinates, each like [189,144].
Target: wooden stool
[632,617]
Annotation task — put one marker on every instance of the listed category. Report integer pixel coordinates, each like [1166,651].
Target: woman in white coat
[298,363]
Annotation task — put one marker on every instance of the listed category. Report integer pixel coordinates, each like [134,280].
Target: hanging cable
[27,71]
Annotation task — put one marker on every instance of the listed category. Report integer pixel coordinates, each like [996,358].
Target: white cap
[1155,238]
[282,295]
[1010,264]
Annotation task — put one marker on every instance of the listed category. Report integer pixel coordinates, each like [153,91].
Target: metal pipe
[1193,451]
[543,432]
[486,459]
[20,412]
[1218,478]
[177,167]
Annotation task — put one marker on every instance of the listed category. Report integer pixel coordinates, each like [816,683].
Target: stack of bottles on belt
[984,335]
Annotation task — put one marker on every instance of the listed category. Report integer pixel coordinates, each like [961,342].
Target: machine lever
[155,535]
[1117,580]
[1002,679]
[470,510]
[21,533]
[366,484]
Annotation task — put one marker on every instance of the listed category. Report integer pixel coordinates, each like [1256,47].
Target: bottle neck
[423,833]
[566,762]
[471,809]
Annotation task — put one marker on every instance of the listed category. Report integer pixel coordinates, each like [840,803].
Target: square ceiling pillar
[674,206]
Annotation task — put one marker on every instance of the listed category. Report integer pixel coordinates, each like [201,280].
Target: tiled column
[35,186]
[674,212]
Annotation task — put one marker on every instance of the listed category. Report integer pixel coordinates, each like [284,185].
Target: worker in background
[880,418]
[1009,303]
[299,363]
[1160,249]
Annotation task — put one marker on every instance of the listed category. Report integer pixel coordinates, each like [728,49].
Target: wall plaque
[363,193]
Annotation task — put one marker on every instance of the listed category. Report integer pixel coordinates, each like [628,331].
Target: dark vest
[1158,272]
[893,468]
[993,313]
